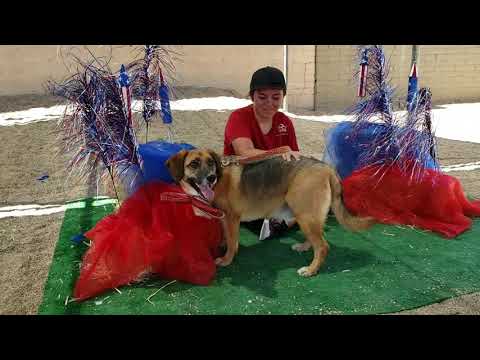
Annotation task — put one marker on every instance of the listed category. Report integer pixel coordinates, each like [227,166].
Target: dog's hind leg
[313,231]
[311,213]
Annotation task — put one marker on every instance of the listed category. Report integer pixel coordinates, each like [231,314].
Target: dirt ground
[29,151]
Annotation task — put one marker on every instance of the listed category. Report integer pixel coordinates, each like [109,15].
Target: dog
[308,186]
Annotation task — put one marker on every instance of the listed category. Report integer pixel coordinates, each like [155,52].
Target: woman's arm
[244,147]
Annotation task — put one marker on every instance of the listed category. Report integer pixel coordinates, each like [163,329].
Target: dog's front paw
[223,261]
[306,271]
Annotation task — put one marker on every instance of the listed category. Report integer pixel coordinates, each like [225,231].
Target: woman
[259,127]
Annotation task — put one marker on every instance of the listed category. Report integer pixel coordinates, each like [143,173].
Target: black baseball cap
[268,77]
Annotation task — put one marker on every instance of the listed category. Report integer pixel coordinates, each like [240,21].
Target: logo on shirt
[282,129]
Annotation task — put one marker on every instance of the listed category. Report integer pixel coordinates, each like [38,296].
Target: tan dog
[256,191]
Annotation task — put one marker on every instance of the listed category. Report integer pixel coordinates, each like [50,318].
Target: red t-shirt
[242,123]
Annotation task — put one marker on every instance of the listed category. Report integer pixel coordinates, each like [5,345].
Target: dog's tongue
[207,192]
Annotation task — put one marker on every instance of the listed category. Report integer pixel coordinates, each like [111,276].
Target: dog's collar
[230,160]
[196,201]
[243,160]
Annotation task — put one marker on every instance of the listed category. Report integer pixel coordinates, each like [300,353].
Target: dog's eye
[210,162]
[194,164]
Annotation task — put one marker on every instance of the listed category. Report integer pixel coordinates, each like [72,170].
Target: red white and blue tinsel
[388,162]
[150,76]
[147,234]
[98,127]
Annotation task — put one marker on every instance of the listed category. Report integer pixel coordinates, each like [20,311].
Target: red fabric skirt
[436,203]
[150,235]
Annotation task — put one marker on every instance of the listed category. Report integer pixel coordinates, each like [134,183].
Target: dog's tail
[349,221]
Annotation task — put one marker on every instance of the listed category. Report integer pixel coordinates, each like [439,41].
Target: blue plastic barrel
[154,154]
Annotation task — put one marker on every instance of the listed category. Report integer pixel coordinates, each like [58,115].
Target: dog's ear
[175,165]
[218,163]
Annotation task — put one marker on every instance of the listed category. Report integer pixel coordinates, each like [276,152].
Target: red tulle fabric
[149,235]
[436,203]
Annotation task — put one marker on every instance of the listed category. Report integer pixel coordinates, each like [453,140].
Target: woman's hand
[291,154]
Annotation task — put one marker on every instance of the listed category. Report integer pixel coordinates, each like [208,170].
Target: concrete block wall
[320,77]
[23,69]
[301,77]
[452,72]
[336,86]
[225,66]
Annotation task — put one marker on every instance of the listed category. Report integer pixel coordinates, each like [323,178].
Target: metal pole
[315,80]
[285,71]
[414,54]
